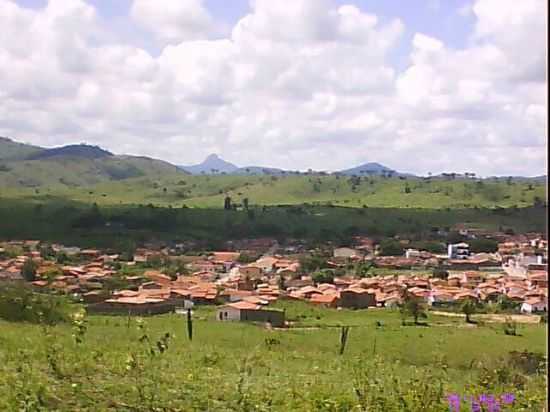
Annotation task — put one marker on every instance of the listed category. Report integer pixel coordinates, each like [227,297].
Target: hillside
[71,172]
[11,150]
[89,173]
[164,185]
[82,151]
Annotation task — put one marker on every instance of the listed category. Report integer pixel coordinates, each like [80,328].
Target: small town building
[250,312]
[534,305]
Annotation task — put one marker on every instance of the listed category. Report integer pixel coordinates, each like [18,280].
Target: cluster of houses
[530,292]
[517,271]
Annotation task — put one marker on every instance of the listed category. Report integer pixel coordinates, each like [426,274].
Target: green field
[162,188]
[240,367]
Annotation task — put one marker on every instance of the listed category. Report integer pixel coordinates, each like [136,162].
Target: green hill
[139,181]
[11,150]
[90,174]
[72,172]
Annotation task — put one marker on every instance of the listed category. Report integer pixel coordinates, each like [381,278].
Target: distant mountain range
[213,164]
[80,164]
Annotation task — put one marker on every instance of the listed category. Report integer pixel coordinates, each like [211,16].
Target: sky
[424,86]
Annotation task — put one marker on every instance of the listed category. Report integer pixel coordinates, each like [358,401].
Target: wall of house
[357,300]
[144,309]
[228,313]
[276,318]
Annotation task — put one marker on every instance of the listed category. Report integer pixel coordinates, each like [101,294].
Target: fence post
[343,338]
[189,325]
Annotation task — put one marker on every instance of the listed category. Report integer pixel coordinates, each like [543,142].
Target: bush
[323,276]
[440,273]
[18,303]
[28,271]
[390,247]
[528,362]
[483,245]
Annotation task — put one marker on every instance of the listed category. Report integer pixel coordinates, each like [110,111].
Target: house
[250,271]
[266,263]
[347,253]
[250,312]
[387,299]
[441,297]
[538,279]
[534,305]
[225,256]
[458,251]
[412,253]
[357,298]
[329,300]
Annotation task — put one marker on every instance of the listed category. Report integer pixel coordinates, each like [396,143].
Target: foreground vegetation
[117,363]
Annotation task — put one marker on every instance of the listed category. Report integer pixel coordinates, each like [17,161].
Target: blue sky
[458,85]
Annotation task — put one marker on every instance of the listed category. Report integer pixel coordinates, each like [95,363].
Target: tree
[362,269]
[28,270]
[61,258]
[227,203]
[483,245]
[468,307]
[46,251]
[389,247]
[281,283]
[440,273]
[413,306]
[311,263]
[323,276]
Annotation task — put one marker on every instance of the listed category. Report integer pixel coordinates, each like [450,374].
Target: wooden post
[189,325]
[343,338]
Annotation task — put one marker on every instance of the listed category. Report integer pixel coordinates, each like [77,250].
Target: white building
[534,305]
[458,251]
[412,253]
[347,252]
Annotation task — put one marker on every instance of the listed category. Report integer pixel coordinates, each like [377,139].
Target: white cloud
[173,20]
[295,84]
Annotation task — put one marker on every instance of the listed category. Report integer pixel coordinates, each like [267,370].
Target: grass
[160,186]
[229,366]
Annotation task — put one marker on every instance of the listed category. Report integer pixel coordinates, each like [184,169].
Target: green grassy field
[232,367]
[162,188]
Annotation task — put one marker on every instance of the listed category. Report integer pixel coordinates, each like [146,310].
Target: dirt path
[494,317]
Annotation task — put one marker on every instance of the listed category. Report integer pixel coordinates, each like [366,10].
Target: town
[246,278]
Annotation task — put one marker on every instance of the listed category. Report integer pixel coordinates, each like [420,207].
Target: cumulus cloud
[295,84]
[173,20]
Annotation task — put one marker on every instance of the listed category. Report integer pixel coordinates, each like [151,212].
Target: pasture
[106,363]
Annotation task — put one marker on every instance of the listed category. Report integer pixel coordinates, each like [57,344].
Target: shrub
[28,271]
[18,303]
[390,247]
[323,276]
[440,273]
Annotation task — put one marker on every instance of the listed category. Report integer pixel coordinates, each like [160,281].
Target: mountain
[213,164]
[11,150]
[76,150]
[73,165]
[375,169]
